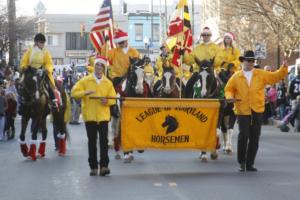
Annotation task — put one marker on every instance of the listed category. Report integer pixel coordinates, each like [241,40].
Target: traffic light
[82,29]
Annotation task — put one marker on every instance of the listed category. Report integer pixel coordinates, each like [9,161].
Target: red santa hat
[230,35]
[101,59]
[206,30]
[120,36]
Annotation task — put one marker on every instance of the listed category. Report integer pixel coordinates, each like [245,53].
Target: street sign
[260,51]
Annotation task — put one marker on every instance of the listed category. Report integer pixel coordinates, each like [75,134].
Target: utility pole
[152,21]
[193,17]
[11,9]
[166,16]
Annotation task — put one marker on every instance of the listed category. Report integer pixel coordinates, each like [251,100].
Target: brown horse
[34,106]
[59,118]
[169,85]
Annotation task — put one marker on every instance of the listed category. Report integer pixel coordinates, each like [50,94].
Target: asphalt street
[157,175]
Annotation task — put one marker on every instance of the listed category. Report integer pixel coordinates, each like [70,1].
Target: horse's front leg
[42,147]
[23,145]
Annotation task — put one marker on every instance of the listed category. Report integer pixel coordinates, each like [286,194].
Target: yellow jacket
[36,58]
[228,55]
[119,60]
[168,62]
[92,109]
[253,97]
[90,67]
[202,52]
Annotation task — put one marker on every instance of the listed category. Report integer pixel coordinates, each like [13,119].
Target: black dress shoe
[251,169]
[242,168]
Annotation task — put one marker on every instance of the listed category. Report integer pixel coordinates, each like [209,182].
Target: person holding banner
[247,87]
[96,113]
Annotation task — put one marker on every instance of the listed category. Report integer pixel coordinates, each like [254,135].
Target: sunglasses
[206,35]
[250,60]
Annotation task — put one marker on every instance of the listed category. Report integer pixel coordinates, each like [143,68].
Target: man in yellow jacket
[247,87]
[206,50]
[119,57]
[96,113]
[39,58]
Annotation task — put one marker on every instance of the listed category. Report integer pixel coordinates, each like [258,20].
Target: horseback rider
[39,57]
[228,61]
[205,51]
[228,56]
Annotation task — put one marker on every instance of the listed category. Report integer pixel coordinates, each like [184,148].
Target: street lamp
[147,44]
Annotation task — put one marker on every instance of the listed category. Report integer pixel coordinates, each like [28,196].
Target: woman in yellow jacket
[96,113]
[228,56]
[39,58]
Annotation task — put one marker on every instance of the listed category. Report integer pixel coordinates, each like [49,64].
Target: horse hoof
[228,151]
[61,154]
[203,158]
[117,156]
[214,156]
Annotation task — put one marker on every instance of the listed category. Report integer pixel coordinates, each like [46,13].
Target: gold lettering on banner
[189,111]
[170,139]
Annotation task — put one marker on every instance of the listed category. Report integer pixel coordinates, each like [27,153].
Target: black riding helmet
[39,38]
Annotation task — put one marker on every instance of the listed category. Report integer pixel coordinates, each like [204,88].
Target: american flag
[103,27]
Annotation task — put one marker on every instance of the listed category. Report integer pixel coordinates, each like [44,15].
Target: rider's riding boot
[42,148]
[62,144]
[32,150]
[24,148]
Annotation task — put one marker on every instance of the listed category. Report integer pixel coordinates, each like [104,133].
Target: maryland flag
[180,30]
[169,124]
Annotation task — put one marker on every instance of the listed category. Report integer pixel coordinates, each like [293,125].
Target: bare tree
[276,22]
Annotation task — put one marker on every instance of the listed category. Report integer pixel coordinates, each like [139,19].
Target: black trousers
[248,139]
[93,129]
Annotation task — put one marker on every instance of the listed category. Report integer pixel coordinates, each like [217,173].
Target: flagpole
[181,56]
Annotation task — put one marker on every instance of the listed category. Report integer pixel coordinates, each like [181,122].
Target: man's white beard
[125,50]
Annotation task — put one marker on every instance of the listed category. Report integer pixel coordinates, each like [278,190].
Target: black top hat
[247,55]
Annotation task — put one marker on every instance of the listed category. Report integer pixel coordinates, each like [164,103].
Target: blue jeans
[281,111]
[2,126]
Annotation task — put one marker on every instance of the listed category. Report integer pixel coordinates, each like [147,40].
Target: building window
[74,41]
[138,32]
[50,40]
[156,33]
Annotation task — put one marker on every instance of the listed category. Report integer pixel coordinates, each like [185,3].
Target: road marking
[172,184]
[157,184]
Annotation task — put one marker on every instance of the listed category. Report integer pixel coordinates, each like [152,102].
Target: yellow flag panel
[169,124]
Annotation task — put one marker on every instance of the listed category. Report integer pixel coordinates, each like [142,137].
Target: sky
[26,7]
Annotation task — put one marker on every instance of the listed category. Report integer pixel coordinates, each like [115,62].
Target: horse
[169,85]
[61,117]
[204,84]
[34,105]
[133,85]
[227,116]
